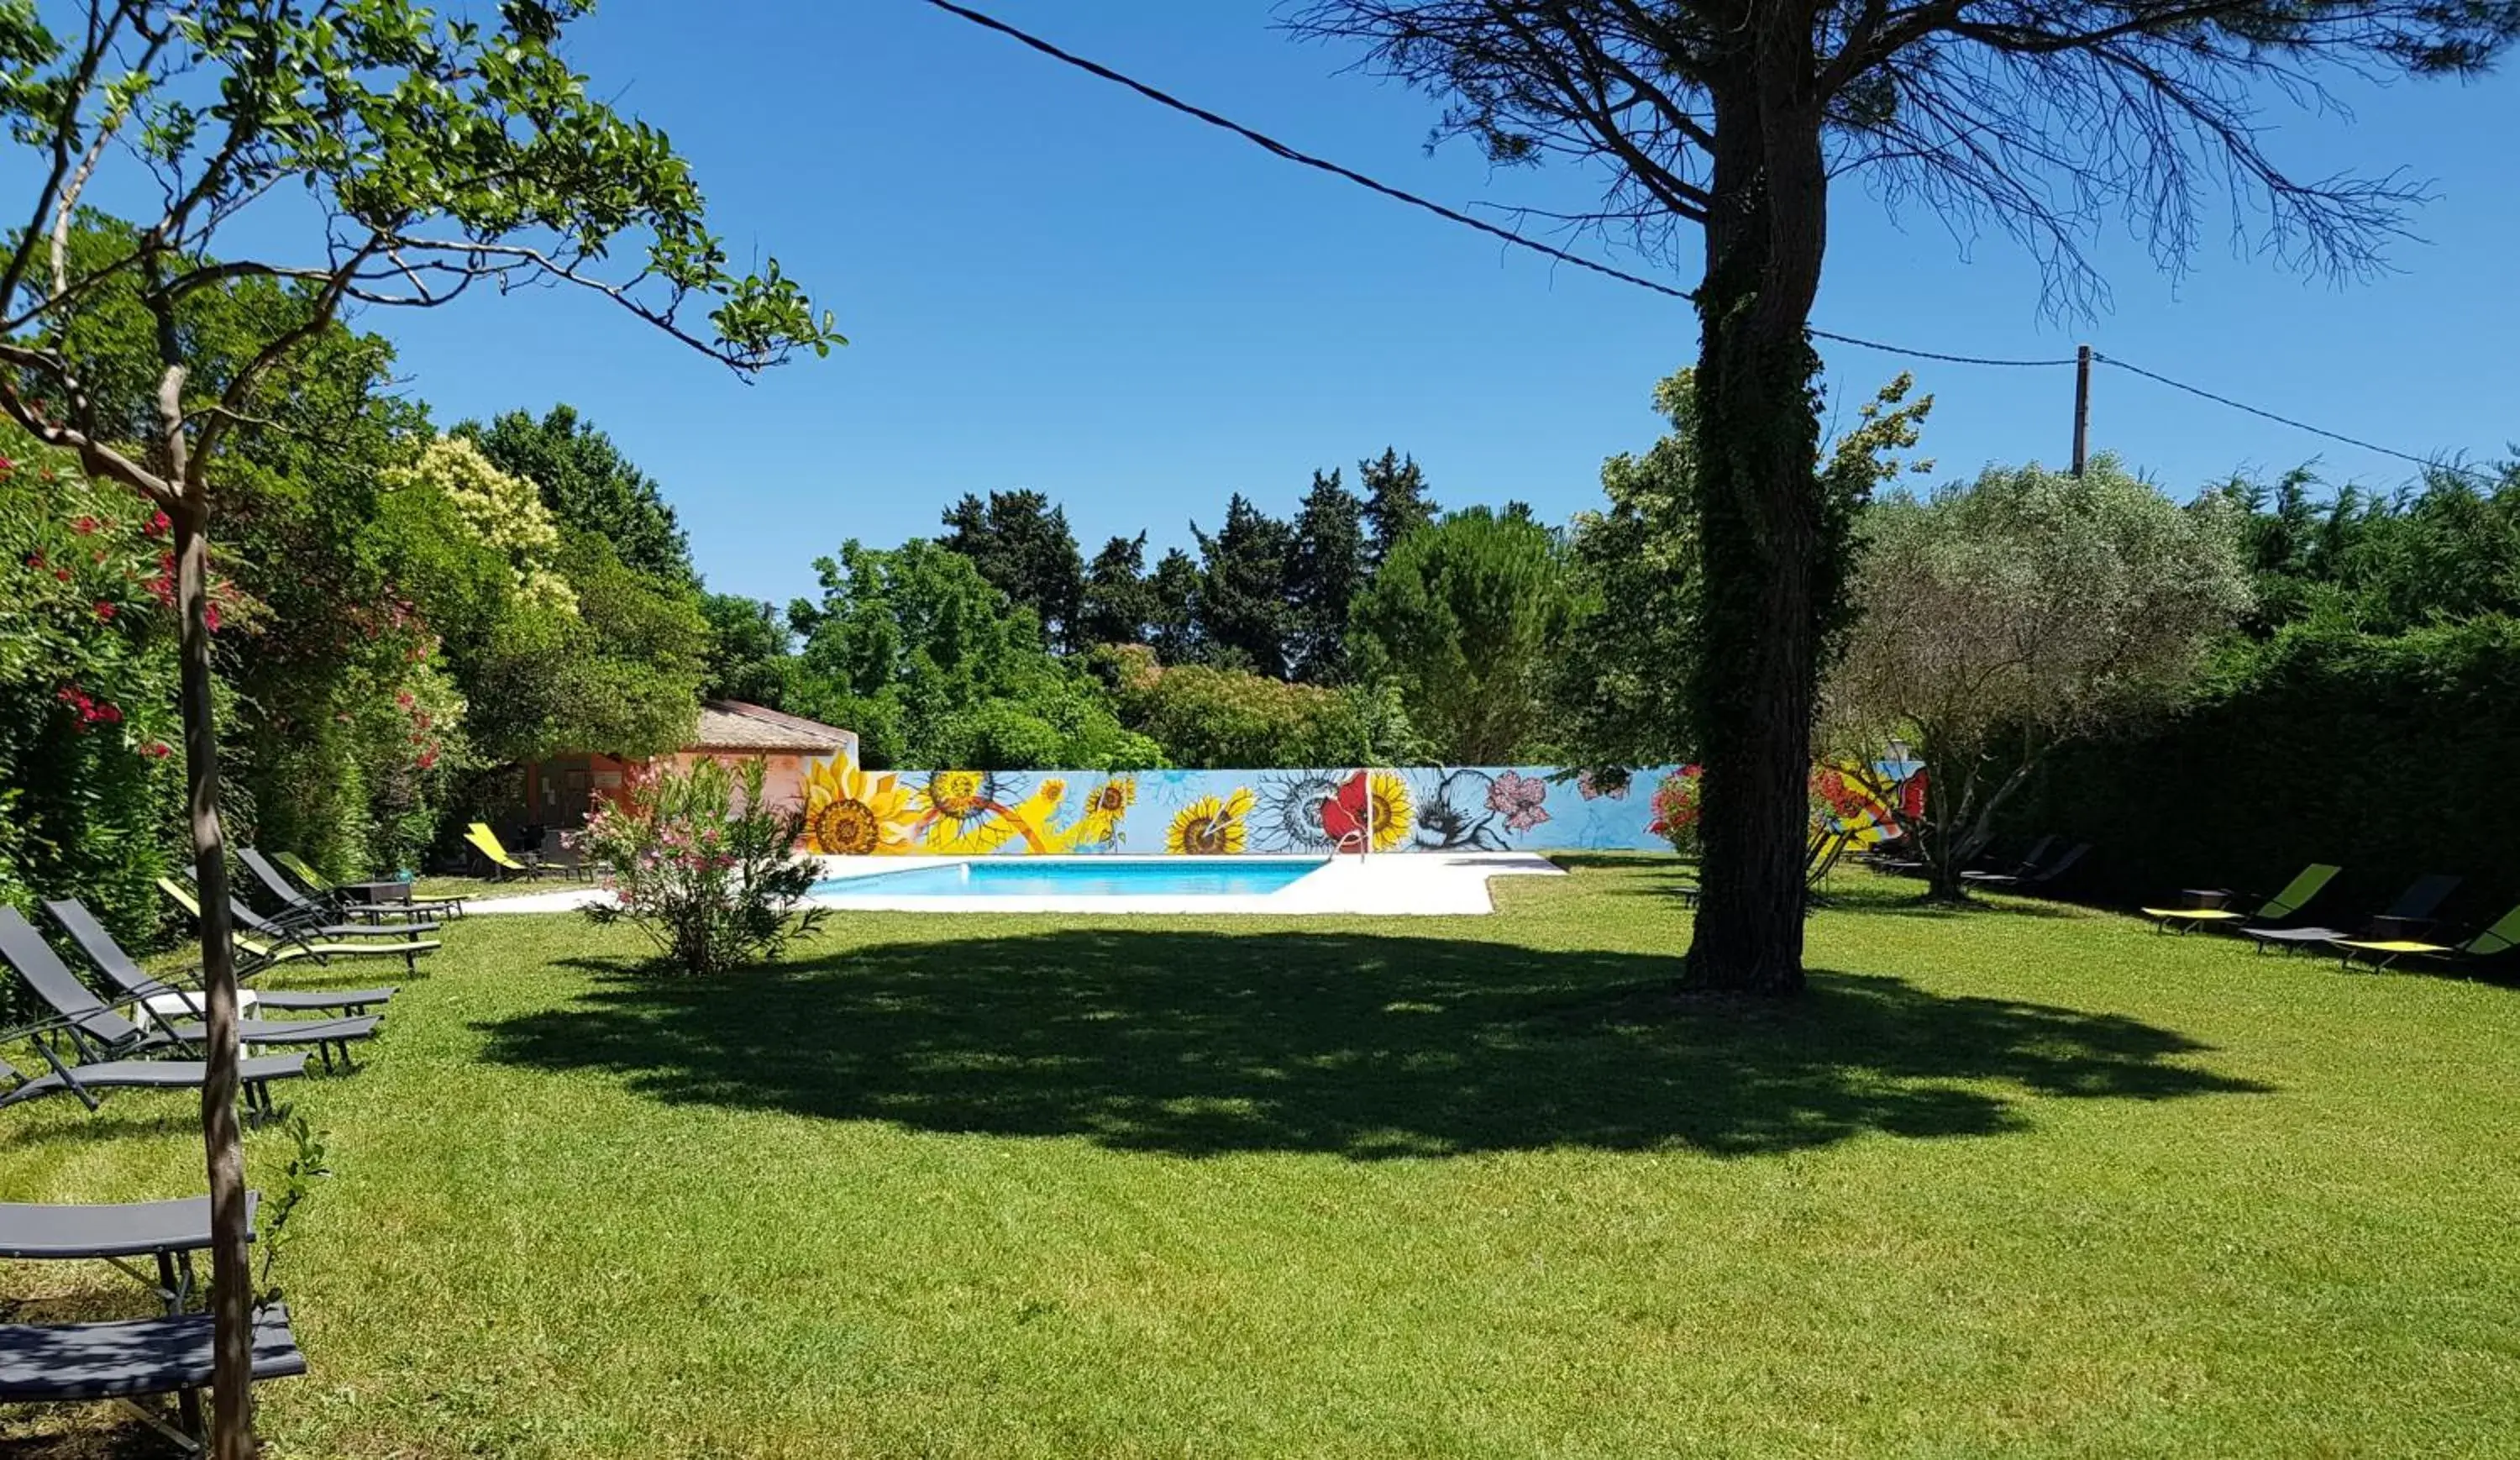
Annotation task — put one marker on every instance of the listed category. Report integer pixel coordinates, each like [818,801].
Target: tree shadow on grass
[1363,1046]
[1903,898]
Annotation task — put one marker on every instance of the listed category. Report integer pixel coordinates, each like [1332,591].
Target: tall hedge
[2391,756]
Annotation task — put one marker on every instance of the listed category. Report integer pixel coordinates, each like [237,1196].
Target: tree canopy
[1327,568]
[1020,542]
[2025,608]
[589,485]
[934,668]
[1464,616]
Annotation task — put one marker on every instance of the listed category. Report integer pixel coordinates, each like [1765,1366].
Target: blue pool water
[1031,877]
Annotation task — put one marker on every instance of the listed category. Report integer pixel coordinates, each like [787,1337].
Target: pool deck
[1415,884]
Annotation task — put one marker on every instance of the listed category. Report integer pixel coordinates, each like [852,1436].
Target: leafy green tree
[1173,626]
[311,763]
[1021,544]
[1245,617]
[589,485]
[2021,611]
[1622,685]
[416,154]
[1742,122]
[1118,602]
[751,650]
[934,668]
[1466,616]
[1396,501]
[1324,574]
[626,677]
[2444,550]
[1214,719]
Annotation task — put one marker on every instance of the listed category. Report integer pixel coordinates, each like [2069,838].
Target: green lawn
[2023,1181]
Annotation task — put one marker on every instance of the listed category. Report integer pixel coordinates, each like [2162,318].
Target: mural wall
[1210,812]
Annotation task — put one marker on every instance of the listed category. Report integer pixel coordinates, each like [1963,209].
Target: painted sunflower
[963,795]
[851,812]
[1394,813]
[1114,797]
[1209,827]
[1105,808]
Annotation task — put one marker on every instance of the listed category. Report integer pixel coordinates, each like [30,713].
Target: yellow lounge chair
[2500,939]
[503,863]
[2281,905]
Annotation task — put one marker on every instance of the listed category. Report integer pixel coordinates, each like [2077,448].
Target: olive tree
[2002,619]
[1718,127]
[361,153]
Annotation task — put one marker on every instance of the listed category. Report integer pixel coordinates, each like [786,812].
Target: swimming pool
[1094,877]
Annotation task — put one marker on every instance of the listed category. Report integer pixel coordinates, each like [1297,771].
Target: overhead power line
[2429,464]
[1275,148]
[1272,145]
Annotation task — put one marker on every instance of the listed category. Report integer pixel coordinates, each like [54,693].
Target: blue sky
[1050,283]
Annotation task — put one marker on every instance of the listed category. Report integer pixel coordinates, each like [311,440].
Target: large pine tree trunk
[231,1273]
[1768,573]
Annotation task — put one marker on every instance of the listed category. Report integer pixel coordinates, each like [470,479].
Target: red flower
[7,466]
[85,526]
[36,559]
[403,698]
[112,714]
[156,750]
[103,609]
[160,522]
[211,612]
[62,574]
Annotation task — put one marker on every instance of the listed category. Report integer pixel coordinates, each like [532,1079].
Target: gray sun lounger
[293,865]
[100,1032]
[135,981]
[135,1359]
[85,1077]
[302,908]
[293,930]
[2414,907]
[2031,876]
[118,1233]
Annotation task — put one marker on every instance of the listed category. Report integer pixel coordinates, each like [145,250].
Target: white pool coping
[1416,884]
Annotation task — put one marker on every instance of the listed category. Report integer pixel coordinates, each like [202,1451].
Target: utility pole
[2081,405]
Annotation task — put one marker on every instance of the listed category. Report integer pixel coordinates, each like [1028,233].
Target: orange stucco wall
[783,781]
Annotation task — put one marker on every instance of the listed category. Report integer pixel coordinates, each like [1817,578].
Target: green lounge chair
[2295,894]
[2413,909]
[2492,943]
